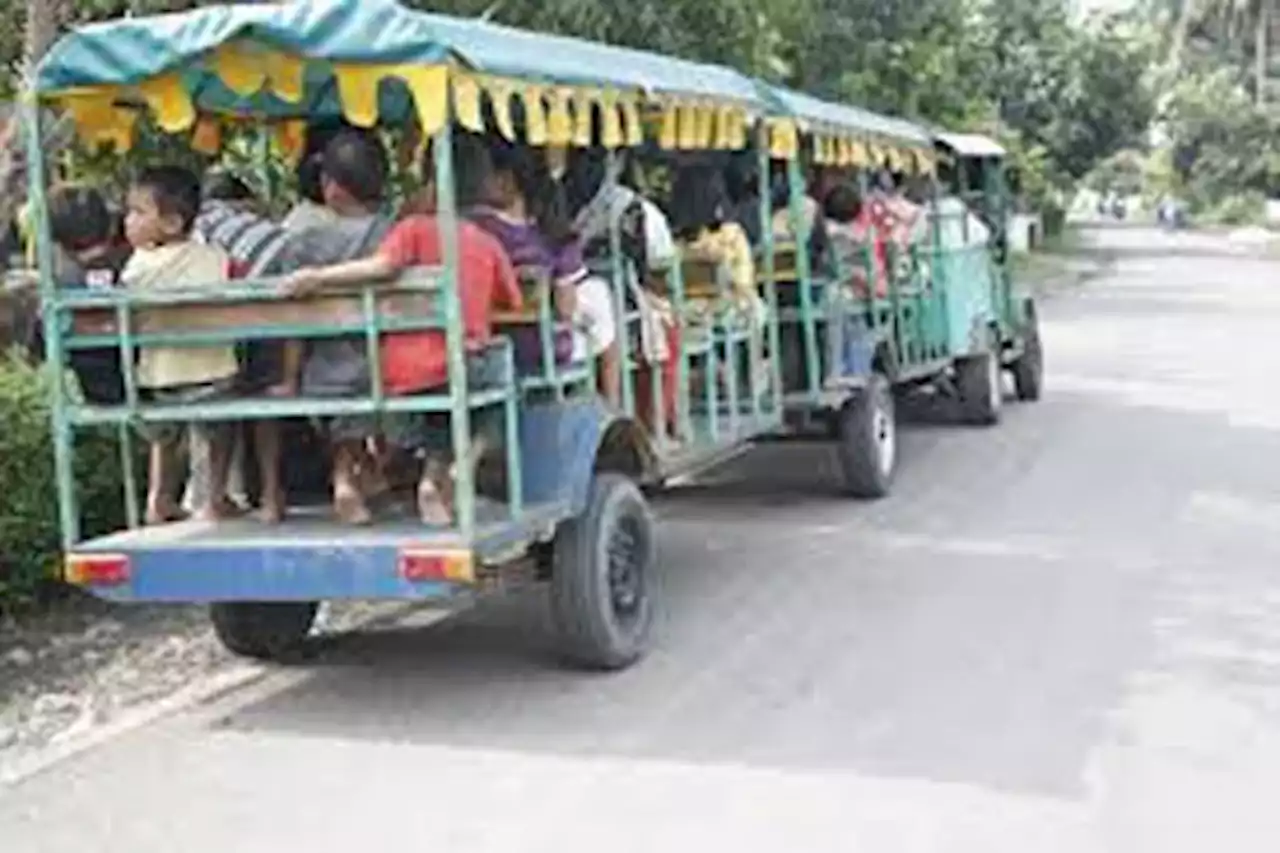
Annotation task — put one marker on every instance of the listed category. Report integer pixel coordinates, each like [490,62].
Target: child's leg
[237,490]
[218,438]
[373,475]
[291,353]
[425,436]
[266,440]
[348,436]
[610,378]
[162,506]
[595,314]
[435,493]
[348,500]
[195,492]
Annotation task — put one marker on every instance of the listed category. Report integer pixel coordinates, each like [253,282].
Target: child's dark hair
[79,218]
[544,197]
[175,191]
[843,203]
[224,186]
[356,161]
[310,184]
[698,200]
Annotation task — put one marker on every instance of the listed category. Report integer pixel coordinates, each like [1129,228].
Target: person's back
[310,211]
[354,174]
[229,220]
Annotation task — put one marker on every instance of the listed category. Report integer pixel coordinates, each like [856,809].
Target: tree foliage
[1216,126]
[1020,68]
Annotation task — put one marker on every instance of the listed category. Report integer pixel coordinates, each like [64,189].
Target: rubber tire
[264,630]
[589,633]
[1028,370]
[858,445]
[980,402]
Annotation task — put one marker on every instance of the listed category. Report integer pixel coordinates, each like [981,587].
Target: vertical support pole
[795,196]
[129,477]
[547,340]
[63,462]
[369,310]
[617,289]
[511,418]
[765,181]
[124,326]
[937,282]
[684,402]
[459,394]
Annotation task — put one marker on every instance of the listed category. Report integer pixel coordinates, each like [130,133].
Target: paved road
[1060,635]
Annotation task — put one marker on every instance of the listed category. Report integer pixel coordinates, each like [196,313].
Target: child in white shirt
[162,207]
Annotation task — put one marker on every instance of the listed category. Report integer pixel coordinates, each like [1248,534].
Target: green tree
[1078,92]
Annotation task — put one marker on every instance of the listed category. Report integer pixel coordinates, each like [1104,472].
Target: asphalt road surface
[1059,635]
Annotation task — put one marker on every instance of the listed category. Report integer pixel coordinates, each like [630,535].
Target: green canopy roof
[129,50]
[807,108]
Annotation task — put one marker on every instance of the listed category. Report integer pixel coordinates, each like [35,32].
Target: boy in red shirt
[417,361]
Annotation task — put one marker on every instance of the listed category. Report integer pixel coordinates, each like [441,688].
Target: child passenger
[417,361]
[525,210]
[162,207]
[84,228]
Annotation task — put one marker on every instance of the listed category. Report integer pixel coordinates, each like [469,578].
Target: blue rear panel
[307,558]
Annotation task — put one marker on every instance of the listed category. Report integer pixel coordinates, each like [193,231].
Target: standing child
[162,207]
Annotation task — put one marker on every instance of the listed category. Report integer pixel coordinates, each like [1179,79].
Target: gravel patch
[83,663]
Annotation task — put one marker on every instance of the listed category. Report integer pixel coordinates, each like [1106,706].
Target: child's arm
[506,292]
[307,282]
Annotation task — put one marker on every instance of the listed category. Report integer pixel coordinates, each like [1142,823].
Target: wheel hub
[994,392]
[886,437]
[625,557]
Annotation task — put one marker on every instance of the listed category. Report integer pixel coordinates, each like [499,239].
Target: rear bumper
[277,573]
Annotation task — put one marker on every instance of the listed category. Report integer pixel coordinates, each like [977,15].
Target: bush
[29,529]
[1240,209]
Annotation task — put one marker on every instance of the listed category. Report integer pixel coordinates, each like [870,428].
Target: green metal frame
[68,415]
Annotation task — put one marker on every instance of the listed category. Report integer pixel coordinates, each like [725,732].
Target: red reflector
[436,566]
[97,569]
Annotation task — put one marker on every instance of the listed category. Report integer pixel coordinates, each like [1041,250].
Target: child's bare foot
[349,505]
[221,509]
[432,508]
[271,509]
[163,512]
[283,390]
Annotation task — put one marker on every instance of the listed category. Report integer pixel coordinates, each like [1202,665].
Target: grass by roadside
[1064,260]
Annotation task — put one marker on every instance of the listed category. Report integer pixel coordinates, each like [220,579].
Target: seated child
[523,208]
[162,207]
[88,233]
[857,241]
[417,361]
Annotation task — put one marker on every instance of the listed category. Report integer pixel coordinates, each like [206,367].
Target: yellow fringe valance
[554,115]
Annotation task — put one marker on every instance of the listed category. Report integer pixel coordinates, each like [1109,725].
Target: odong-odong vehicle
[561,503]
[920,296]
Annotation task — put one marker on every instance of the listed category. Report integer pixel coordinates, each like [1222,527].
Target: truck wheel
[981,395]
[1028,370]
[264,630]
[867,440]
[603,570]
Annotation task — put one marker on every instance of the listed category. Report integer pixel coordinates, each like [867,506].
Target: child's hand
[301,283]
